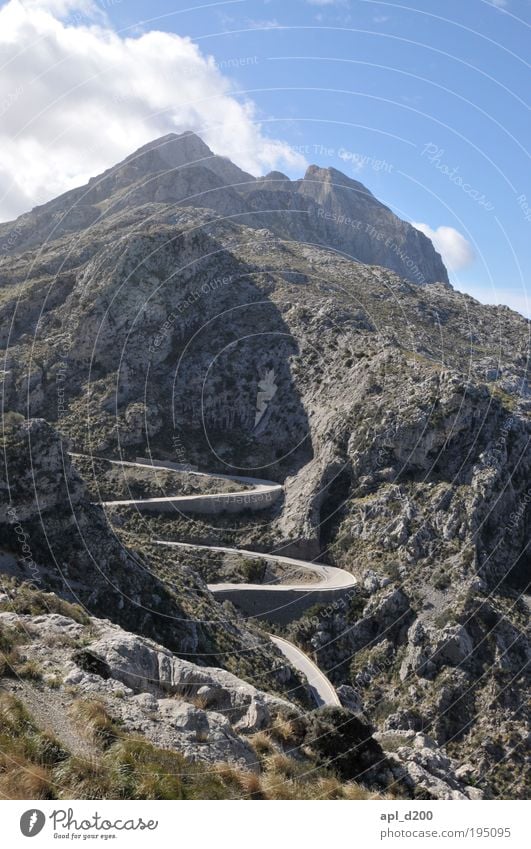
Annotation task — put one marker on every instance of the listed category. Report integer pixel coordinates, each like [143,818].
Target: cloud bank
[455,250]
[76,97]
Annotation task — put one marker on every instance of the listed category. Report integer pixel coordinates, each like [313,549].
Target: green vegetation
[510,402]
[13,662]
[253,570]
[442,580]
[9,654]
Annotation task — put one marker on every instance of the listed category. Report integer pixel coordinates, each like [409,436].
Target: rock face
[43,499]
[208,714]
[426,769]
[204,713]
[146,667]
[201,711]
[328,208]
[325,207]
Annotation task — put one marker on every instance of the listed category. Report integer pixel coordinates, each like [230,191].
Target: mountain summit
[325,207]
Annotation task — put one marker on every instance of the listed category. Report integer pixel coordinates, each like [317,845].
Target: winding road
[324,582]
[320,687]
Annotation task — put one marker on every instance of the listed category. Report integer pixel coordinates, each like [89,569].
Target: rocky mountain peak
[325,207]
[334,178]
[276,177]
[332,187]
[399,441]
[173,150]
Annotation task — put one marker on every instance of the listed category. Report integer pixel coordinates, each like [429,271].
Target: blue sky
[427,106]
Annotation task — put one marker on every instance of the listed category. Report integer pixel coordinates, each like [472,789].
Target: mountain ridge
[324,207]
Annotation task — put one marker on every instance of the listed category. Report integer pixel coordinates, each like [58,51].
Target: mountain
[328,208]
[324,208]
[397,421]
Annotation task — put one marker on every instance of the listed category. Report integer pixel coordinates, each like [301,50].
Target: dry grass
[93,717]
[283,730]
[276,786]
[251,785]
[199,701]
[24,599]
[358,793]
[59,641]
[34,765]
[8,663]
[27,754]
[22,779]
[29,668]
[84,778]
[13,662]
[241,781]
[330,788]
[283,765]
[10,657]
[261,743]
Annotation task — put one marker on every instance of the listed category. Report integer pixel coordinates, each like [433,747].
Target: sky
[425,102]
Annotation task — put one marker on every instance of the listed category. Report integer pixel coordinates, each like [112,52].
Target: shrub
[29,668]
[442,581]
[253,571]
[34,765]
[20,779]
[24,599]
[341,740]
[261,743]
[283,729]
[27,755]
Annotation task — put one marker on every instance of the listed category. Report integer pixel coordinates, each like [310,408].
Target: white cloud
[455,250]
[76,97]
[62,8]
[500,4]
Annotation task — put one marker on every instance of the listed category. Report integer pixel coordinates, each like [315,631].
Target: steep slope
[325,207]
[172,169]
[88,710]
[54,537]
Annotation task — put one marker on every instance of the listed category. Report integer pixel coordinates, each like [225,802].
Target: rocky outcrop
[340,213]
[429,649]
[423,767]
[199,712]
[144,667]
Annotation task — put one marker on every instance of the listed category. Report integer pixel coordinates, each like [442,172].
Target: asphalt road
[322,577]
[320,687]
